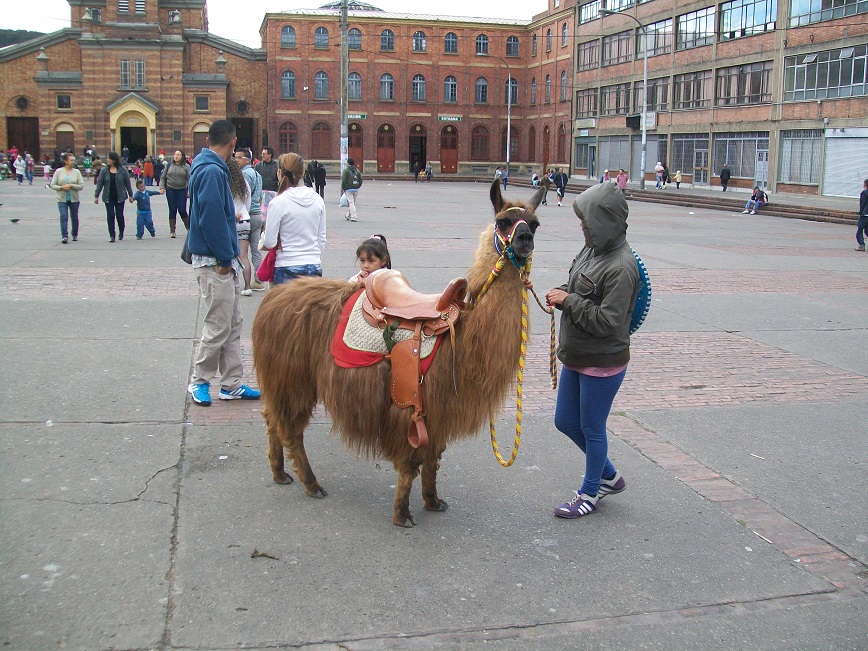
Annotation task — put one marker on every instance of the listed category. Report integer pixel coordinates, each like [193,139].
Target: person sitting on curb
[757,200]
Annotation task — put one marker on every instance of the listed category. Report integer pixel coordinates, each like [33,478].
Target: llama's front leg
[301,465]
[429,484]
[275,452]
[407,471]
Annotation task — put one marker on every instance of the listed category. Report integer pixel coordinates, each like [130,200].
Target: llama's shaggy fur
[292,334]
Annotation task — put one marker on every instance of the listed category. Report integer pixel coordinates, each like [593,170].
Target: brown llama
[292,333]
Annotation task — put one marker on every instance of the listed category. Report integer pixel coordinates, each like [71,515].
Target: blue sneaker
[201,393]
[243,392]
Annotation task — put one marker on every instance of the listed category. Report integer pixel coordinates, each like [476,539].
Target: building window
[124,73]
[684,148]
[801,151]
[354,39]
[548,88]
[287,138]
[738,151]
[657,37]
[619,5]
[586,103]
[482,44]
[287,36]
[533,90]
[617,48]
[549,39]
[287,85]
[563,86]
[139,77]
[387,40]
[123,6]
[64,102]
[565,33]
[745,17]
[514,143]
[805,12]
[450,43]
[480,95]
[140,6]
[533,46]
[511,91]
[582,156]
[202,103]
[419,42]
[531,145]
[692,90]
[321,37]
[820,75]
[450,90]
[479,143]
[321,85]
[589,55]
[562,143]
[615,100]
[132,76]
[387,87]
[695,29]
[589,11]
[96,14]
[658,95]
[354,86]
[747,84]
[320,142]
[418,88]
[512,46]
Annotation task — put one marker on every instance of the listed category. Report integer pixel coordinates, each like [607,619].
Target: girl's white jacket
[298,215]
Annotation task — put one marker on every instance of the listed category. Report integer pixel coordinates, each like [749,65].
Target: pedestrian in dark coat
[725,175]
[320,179]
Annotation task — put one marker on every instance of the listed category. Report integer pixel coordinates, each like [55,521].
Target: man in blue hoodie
[213,244]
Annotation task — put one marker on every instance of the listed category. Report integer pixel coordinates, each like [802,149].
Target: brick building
[775,89]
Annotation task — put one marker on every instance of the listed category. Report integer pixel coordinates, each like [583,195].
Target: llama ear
[537,198]
[497,198]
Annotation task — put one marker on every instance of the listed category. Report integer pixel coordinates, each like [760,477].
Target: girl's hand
[555,297]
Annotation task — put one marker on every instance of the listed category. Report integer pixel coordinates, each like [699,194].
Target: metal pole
[508,113]
[345,71]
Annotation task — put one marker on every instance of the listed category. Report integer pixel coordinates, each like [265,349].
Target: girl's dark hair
[114,158]
[376,245]
[237,183]
[183,158]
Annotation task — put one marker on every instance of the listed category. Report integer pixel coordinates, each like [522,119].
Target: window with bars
[586,103]
[746,84]
[138,74]
[549,40]
[387,87]
[615,100]
[125,73]
[510,95]
[684,148]
[533,46]
[658,95]
[842,72]
[450,43]
[617,48]
[738,151]
[512,46]
[548,88]
[354,39]
[533,90]
[589,11]
[450,90]
[582,157]
[695,29]
[287,85]
[745,17]
[287,36]
[321,85]
[354,86]
[565,35]
[805,12]
[482,44]
[588,55]
[801,152]
[692,90]
[287,137]
[657,37]
[387,40]
[479,143]
[420,42]
[563,93]
[418,88]
[321,38]
[480,94]
[514,142]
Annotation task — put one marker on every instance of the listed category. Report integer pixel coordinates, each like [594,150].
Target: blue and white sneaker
[201,393]
[243,392]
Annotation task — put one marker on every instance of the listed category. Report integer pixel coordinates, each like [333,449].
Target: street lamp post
[345,71]
[609,12]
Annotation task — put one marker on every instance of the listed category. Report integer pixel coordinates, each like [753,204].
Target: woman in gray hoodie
[597,303]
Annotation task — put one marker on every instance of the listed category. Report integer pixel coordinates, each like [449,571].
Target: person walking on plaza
[213,245]
[862,227]
[560,184]
[254,182]
[597,303]
[28,159]
[351,181]
[159,168]
[677,178]
[621,180]
[725,175]
[144,216]
[67,183]
[547,184]
[429,172]
[504,176]
[114,184]
[20,168]
[267,169]
[416,169]
[175,181]
[320,179]
[95,167]
[148,171]
[658,171]
[310,174]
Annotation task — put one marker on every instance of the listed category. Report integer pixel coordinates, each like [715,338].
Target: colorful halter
[503,242]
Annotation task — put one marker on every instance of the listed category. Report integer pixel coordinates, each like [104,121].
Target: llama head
[515,222]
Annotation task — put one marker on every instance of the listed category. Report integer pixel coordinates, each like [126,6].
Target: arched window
[450,90]
[354,86]
[548,88]
[512,46]
[510,95]
[354,39]
[563,85]
[387,40]
[533,46]
[387,87]
[482,44]
[480,96]
[321,85]
[419,42]
[479,143]
[287,85]
[321,37]
[287,36]
[564,35]
[514,141]
[320,141]
[450,43]
[549,39]
[418,88]
[533,90]
[562,143]
[287,138]
[531,145]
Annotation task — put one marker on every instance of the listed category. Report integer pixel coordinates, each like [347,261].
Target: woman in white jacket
[296,224]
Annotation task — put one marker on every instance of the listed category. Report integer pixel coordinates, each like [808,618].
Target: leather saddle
[390,299]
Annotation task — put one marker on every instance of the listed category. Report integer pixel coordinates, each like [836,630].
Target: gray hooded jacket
[603,283]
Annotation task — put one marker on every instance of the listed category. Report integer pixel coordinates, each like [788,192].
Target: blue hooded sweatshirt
[212,213]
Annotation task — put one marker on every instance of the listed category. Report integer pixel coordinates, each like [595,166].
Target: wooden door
[386,149]
[448,150]
[354,145]
[24,134]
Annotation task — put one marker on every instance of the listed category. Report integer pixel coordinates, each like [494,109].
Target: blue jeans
[144,219]
[581,413]
[862,230]
[68,209]
[754,204]
[177,200]
[285,274]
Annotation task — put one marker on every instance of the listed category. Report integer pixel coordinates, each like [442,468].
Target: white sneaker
[353,219]
[753,212]
[246,292]
[744,212]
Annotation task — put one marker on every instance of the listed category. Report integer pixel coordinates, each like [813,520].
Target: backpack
[643,296]
[356,181]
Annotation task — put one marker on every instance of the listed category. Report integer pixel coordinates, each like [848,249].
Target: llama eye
[533,226]
[503,225]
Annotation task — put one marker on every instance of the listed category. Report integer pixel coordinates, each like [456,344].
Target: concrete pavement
[132,519]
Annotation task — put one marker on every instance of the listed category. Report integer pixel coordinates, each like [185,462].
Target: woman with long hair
[114,184]
[296,223]
[240,190]
[175,180]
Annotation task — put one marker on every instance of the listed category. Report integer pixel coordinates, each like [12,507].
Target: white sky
[240,21]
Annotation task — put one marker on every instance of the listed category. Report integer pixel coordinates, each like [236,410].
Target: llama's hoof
[286,479]
[315,491]
[404,520]
[436,505]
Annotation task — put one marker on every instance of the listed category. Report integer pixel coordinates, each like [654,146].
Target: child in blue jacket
[144,219]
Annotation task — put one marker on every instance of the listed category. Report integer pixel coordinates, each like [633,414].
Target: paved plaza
[133,519]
